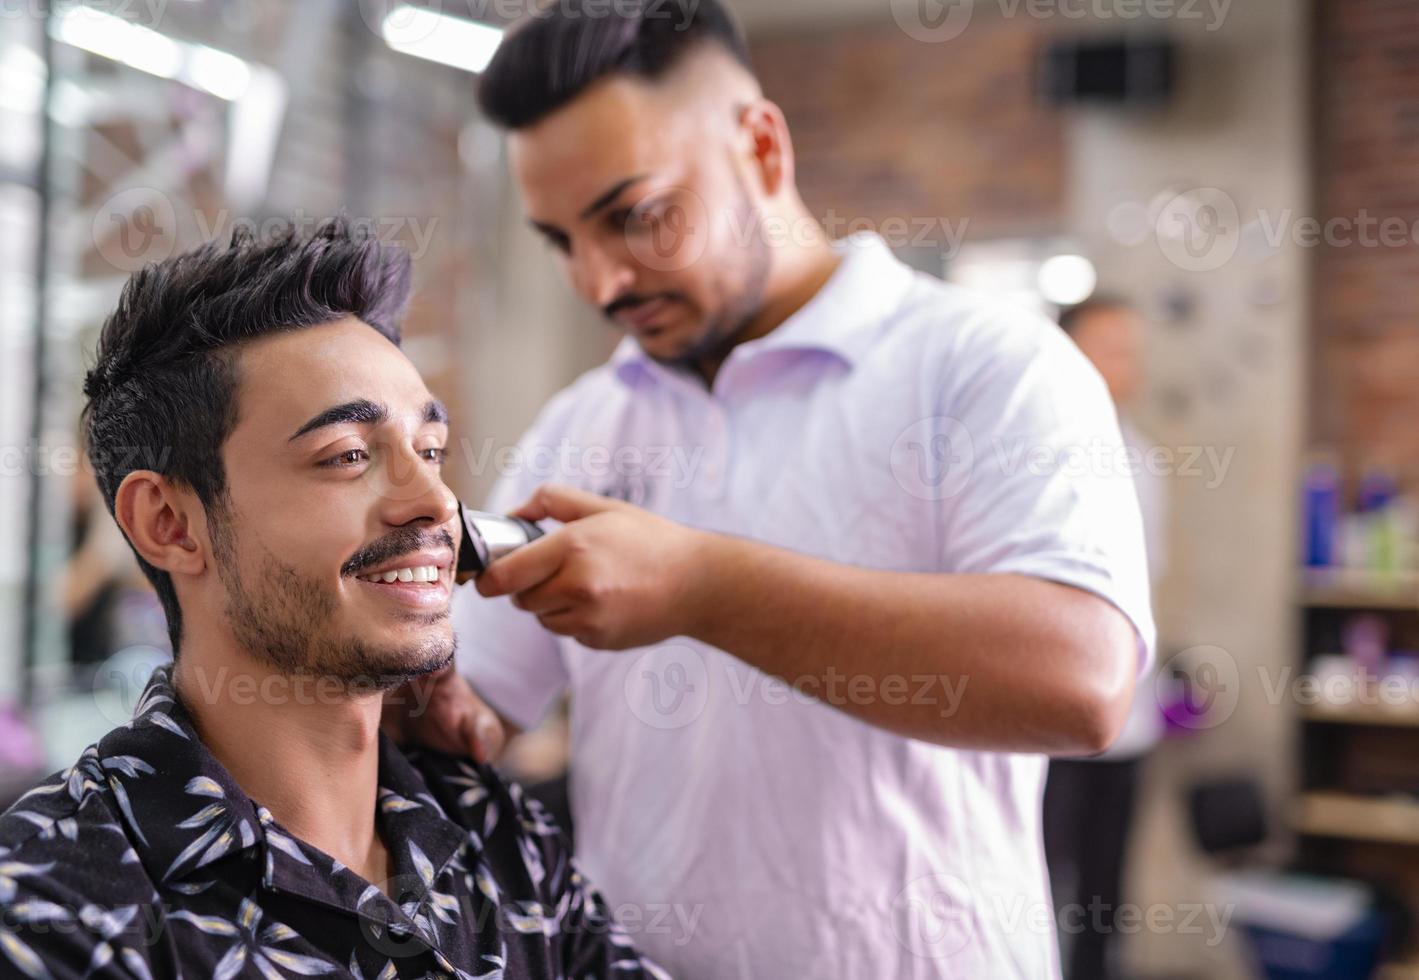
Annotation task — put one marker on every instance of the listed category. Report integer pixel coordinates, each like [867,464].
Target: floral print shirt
[145,860]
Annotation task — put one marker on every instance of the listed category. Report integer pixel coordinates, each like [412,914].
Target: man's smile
[423,580]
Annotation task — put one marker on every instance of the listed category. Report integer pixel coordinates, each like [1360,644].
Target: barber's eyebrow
[362,411]
[611,195]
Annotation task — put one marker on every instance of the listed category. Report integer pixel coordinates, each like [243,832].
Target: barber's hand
[614,577]
[441,711]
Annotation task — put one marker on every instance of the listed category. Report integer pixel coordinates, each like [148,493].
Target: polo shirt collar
[842,319]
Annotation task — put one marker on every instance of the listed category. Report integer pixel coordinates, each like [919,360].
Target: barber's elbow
[1103,693]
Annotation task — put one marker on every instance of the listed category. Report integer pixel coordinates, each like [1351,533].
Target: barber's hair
[162,392]
[1070,317]
[562,49]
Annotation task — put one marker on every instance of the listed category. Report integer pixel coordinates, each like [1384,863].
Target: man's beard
[286,625]
[743,292]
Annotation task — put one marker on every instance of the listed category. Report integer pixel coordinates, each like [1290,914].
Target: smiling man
[274,461]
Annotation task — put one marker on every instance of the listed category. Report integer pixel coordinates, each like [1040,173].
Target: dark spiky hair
[162,392]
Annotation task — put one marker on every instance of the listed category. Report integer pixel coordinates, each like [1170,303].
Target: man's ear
[160,520]
[770,146]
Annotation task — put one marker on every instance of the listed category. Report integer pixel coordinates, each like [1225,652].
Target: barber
[880,593]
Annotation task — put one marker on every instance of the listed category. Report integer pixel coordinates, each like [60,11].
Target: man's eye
[631,221]
[439,454]
[350,457]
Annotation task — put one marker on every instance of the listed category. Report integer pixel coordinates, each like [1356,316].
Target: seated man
[274,461]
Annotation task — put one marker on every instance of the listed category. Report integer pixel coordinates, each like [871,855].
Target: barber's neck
[304,748]
[797,271]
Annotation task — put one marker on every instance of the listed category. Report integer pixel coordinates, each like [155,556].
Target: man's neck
[797,275]
[303,748]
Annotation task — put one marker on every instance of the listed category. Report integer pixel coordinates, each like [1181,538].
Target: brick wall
[888,127]
[1365,372]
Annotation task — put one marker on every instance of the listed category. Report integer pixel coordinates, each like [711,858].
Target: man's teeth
[417,573]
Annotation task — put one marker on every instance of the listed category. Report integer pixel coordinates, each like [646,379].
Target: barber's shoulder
[967,330]
[592,392]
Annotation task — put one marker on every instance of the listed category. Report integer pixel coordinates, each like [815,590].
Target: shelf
[1358,588]
[1386,820]
[1378,716]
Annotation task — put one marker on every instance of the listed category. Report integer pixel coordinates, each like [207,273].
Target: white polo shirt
[742,828]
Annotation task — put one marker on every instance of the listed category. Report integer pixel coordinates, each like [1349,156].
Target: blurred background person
[107,602]
[1089,803]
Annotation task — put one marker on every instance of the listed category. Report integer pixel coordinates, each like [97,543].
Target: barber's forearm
[997,662]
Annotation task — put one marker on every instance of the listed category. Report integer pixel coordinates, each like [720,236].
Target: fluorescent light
[22,75]
[223,75]
[1067,279]
[119,40]
[438,37]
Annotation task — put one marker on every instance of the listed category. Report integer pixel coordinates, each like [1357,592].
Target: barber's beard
[286,623]
[741,290]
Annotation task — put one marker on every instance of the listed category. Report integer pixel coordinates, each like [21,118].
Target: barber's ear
[159,518]
[770,145]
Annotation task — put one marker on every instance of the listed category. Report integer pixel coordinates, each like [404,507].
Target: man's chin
[401,670]
[672,346]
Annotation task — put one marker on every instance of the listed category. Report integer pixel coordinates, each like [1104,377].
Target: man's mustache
[630,300]
[405,541]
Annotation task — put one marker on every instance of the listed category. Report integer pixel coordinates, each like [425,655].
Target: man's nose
[602,277]
[416,491]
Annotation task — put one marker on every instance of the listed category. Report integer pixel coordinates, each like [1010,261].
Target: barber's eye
[350,457]
[629,220]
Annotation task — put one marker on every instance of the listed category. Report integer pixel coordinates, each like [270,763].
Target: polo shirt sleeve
[510,659]
[1048,490]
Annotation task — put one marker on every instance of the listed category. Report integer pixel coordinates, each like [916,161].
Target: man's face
[333,473]
[652,212]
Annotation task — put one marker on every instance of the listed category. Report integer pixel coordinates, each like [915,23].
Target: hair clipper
[487,537]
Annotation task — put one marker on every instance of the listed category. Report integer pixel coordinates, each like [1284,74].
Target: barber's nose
[601,278]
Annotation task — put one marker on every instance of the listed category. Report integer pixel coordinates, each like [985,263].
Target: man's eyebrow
[611,195]
[550,231]
[361,411]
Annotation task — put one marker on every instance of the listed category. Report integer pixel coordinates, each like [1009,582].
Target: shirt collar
[185,812]
[841,319]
